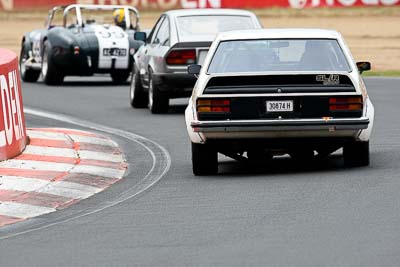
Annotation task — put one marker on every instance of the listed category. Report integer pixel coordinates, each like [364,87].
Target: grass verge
[385,73]
[393,11]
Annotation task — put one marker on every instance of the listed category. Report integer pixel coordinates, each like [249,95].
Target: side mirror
[140,36]
[363,66]
[194,69]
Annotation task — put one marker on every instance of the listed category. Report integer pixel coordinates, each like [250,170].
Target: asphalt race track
[320,214]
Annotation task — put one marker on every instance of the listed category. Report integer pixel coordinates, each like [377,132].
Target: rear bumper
[84,64]
[299,125]
[179,84]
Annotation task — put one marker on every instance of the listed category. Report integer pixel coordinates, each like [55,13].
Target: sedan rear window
[278,55]
[210,25]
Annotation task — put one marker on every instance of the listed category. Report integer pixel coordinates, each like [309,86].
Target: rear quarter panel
[157,58]
[61,37]
[32,42]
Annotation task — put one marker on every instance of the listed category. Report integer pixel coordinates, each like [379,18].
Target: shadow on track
[177,109]
[91,83]
[282,165]
[173,110]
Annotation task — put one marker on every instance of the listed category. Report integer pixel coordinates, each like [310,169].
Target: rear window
[278,55]
[210,25]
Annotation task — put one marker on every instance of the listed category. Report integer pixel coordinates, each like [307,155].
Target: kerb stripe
[58,167]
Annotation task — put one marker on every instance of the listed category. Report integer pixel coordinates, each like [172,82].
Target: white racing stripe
[24,211]
[62,167]
[70,190]
[92,140]
[50,151]
[71,153]
[36,165]
[99,171]
[85,154]
[24,184]
[76,138]
[47,135]
[65,130]
[59,188]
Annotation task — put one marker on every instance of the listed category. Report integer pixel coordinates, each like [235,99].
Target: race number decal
[113,47]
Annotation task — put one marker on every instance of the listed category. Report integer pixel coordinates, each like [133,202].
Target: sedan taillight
[353,103]
[213,105]
[181,57]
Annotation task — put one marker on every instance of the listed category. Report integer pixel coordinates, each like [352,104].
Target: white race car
[270,92]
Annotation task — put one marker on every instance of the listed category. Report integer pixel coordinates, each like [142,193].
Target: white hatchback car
[270,92]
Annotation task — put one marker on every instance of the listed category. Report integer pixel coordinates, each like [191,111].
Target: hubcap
[45,64]
[22,66]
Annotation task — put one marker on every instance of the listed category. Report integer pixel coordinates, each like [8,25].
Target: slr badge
[332,79]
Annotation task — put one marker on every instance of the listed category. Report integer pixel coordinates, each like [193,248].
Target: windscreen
[278,55]
[103,17]
[210,25]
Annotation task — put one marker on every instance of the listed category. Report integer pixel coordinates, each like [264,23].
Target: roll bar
[51,15]
[79,7]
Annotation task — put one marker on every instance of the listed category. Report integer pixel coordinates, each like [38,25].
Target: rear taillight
[345,103]
[213,105]
[181,57]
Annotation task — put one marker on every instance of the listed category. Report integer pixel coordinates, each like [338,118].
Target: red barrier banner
[170,4]
[306,3]
[12,119]
[167,4]
[25,4]
[338,3]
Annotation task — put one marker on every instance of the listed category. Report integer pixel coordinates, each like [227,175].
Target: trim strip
[277,89]
[280,125]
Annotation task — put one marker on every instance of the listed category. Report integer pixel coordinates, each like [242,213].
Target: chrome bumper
[281,125]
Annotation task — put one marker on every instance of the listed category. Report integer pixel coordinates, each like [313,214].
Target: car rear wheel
[27,74]
[49,71]
[158,101]
[138,98]
[204,159]
[120,77]
[356,154]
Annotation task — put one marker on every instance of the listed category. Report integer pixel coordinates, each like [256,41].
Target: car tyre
[204,159]
[120,77]
[356,153]
[49,70]
[158,101]
[138,98]
[27,74]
